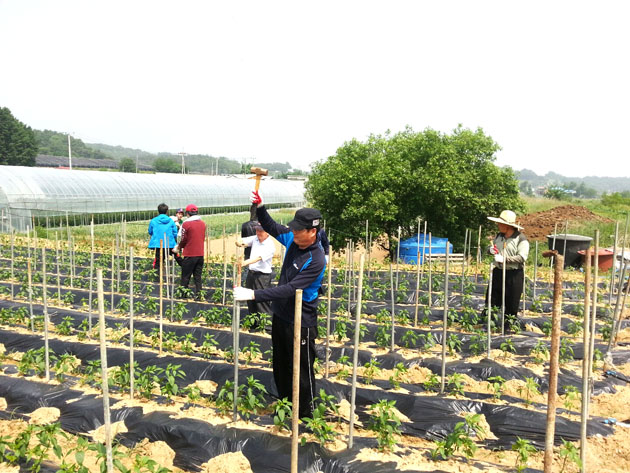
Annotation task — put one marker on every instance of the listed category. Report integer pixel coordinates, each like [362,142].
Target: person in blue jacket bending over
[162,228]
[303,268]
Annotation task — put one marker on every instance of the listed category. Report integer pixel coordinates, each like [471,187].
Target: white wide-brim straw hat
[508,218]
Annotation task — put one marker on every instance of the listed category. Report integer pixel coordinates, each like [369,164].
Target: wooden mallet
[259,172]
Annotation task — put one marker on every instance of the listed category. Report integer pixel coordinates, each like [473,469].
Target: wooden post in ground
[552,395]
[160,262]
[111,286]
[587,356]
[619,306]
[614,266]
[297,331]
[29,276]
[489,313]
[594,294]
[104,382]
[46,321]
[236,324]
[355,352]
[224,267]
[91,273]
[430,273]
[503,271]
[328,311]
[444,320]
[131,334]
[393,319]
[13,265]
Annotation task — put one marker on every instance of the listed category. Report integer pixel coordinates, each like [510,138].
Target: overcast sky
[291,81]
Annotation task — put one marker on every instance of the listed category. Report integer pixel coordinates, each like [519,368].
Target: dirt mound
[540,224]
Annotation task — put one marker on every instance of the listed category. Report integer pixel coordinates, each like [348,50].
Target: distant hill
[599,184]
[53,143]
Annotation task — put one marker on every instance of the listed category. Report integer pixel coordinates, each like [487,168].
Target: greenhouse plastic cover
[47,191]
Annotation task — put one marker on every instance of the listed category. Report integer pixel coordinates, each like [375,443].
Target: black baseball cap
[305,219]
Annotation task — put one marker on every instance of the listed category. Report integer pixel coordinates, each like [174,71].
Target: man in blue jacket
[303,268]
[162,228]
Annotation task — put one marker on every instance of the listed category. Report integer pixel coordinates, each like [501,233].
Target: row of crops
[183,354]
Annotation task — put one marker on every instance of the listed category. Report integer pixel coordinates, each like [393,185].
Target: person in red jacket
[191,243]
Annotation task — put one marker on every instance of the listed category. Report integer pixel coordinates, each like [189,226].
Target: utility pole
[183,155]
[69,152]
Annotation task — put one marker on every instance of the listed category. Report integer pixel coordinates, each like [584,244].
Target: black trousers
[282,342]
[514,279]
[257,280]
[159,258]
[192,266]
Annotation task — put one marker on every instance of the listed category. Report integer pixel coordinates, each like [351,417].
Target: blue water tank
[409,248]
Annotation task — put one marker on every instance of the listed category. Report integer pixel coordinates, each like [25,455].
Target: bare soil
[538,225]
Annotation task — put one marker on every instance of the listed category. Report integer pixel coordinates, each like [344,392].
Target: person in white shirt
[259,263]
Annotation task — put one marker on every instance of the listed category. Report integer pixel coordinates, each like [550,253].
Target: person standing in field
[248,230]
[303,268]
[516,253]
[162,228]
[191,244]
[262,249]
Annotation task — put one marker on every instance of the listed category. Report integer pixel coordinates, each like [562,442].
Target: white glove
[243,294]
[327,258]
[256,198]
[176,249]
[239,242]
[498,258]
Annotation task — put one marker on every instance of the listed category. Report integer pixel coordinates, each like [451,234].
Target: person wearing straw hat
[514,257]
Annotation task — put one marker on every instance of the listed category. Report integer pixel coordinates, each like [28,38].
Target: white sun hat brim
[500,220]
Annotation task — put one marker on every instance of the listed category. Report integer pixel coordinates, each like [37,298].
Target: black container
[574,243]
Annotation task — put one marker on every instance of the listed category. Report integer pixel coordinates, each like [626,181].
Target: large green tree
[18,146]
[127,165]
[448,180]
[167,165]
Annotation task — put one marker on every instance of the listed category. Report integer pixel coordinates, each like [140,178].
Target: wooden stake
[91,272]
[391,282]
[593,314]
[46,321]
[489,313]
[585,363]
[131,334]
[355,352]
[398,259]
[30,293]
[614,266]
[618,309]
[553,361]
[111,287]
[503,271]
[430,273]
[445,320]
[297,331]
[328,310]
[224,267]
[236,323]
[535,270]
[12,263]
[104,382]
[160,289]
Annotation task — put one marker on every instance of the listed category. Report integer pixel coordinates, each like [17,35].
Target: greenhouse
[29,194]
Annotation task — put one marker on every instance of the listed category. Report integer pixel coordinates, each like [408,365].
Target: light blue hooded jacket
[160,225]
